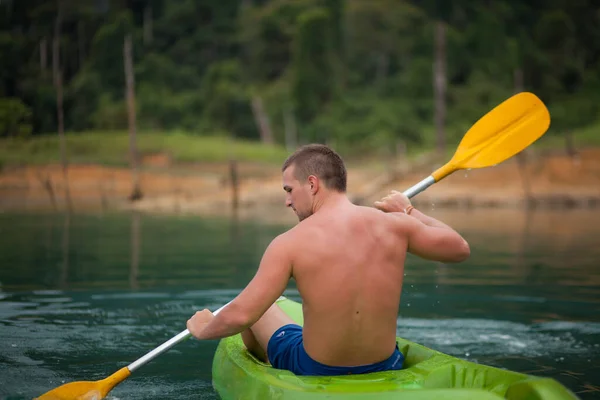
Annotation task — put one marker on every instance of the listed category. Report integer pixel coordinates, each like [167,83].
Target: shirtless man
[348,264]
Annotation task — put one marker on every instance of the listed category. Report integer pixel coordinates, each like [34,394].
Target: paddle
[501,133]
[96,390]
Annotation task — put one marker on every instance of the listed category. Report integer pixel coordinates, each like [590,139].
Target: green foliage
[112,148]
[226,102]
[110,114]
[368,123]
[15,118]
[266,36]
[357,73]
[86,91]
[312,86]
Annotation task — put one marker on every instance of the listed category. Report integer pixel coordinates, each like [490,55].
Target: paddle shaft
[151,355]
[419,187]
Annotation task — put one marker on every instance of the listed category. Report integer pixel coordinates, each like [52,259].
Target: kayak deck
[427,374]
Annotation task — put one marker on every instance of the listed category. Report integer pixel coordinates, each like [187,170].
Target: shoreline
[554,181]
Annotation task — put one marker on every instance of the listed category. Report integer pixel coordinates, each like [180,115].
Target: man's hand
[198,322]
[393,202]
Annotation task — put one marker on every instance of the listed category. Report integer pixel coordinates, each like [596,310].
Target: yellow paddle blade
[500,134]
[87,390]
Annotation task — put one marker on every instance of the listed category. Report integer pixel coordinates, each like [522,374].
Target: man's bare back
[348,265]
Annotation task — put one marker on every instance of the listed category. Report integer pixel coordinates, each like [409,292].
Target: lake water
[84,295]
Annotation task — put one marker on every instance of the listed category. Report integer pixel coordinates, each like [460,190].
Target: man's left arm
[269,282]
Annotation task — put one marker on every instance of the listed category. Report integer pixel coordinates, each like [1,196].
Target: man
[348,263]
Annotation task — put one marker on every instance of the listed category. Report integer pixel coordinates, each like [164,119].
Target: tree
[136,192]
[58,83]
[15,118]
[312,86]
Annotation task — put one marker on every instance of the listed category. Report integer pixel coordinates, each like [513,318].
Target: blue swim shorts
[286,351]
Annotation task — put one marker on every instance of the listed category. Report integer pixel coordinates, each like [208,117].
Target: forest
[362,74]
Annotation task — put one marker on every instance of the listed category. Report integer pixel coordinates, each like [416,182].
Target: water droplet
[467,354]
[412,285]
[436,286]
[408,305]
[13,345]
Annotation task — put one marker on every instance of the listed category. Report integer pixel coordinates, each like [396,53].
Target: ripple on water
[130,296]
[489,337]
[47,292]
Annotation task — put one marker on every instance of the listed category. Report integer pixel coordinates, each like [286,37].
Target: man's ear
[314,183]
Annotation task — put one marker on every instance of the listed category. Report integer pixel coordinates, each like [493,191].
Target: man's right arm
[433,240]
[427,220]
[426,236]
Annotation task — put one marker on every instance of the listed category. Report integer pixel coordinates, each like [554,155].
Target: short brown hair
[321,161]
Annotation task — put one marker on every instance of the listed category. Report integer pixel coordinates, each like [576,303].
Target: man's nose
[288,202]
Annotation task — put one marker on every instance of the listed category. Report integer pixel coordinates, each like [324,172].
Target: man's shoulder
[287,237]
[377,214]
[397,222]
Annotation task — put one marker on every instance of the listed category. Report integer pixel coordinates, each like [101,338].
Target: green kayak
[428,374]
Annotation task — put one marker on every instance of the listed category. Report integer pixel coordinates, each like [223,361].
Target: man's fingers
[380,205]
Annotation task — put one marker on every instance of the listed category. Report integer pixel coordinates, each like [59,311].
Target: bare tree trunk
[58,82]
[522,164]
[81,43]
[63,142]
[570,144]
[400,150]
[148,24]
[46,183]
[518,80]
[291,133]
[262,120]
[136,192]
[439,84]
[43,53]
[56,47]
[233,177]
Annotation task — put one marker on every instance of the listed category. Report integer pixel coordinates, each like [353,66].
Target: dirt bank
[548,180]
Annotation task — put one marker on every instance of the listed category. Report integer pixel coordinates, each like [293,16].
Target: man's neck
[330,200]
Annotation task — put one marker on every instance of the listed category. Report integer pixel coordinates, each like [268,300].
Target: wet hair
[321,161]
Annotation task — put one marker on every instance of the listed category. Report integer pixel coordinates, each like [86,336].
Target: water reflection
[66,235]
[527,248]
[520,260]
[135,250]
